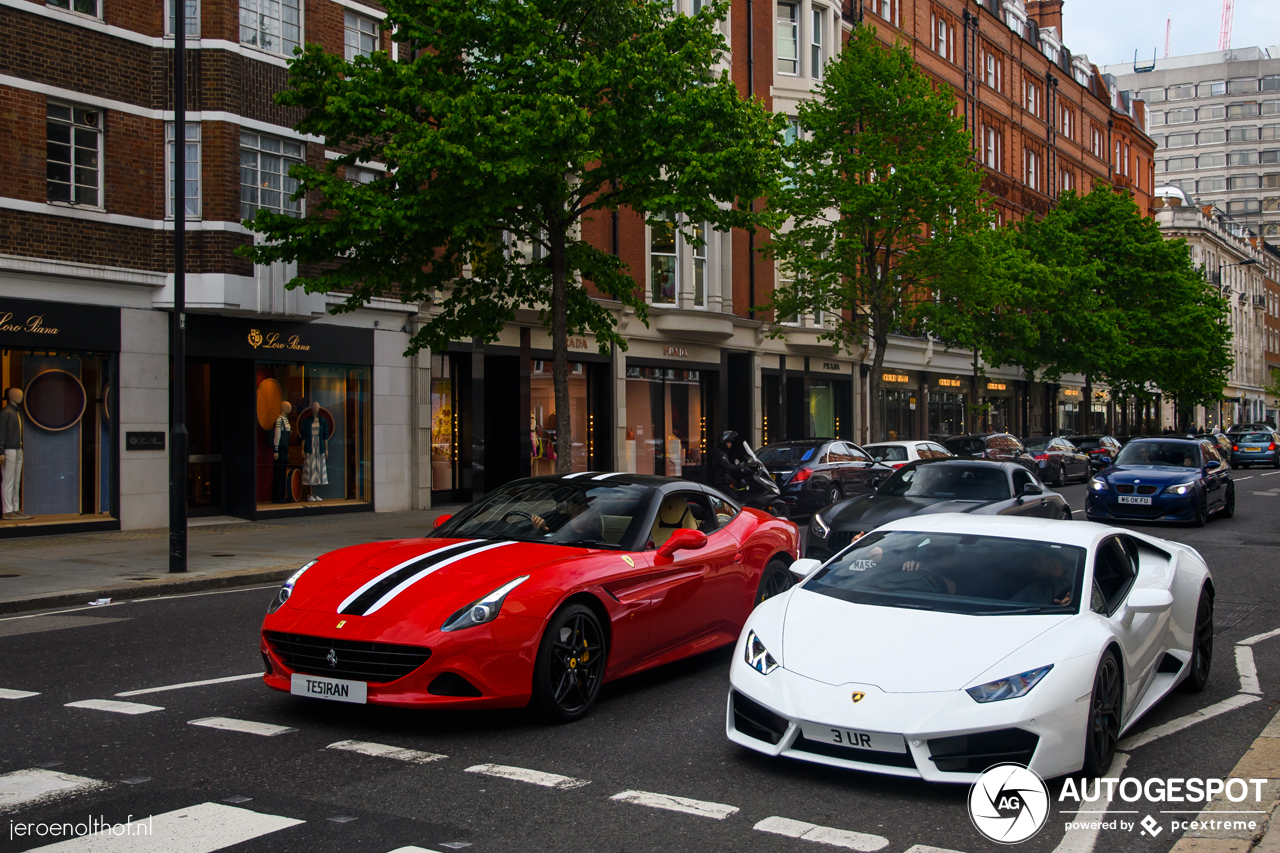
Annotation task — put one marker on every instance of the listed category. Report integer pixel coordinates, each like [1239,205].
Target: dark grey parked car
[995,446]
[930,486]
[815,472]
[1059,459]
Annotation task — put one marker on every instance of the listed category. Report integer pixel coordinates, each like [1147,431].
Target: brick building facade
[86,243]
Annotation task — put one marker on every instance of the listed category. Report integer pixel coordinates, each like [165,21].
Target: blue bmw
[1163,479]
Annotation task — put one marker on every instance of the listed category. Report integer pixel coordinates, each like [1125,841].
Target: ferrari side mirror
[683,540]
[442,519]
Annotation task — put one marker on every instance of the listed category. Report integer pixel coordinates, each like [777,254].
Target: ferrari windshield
[956,573]
[558,511]
[948,481]
[1170,454]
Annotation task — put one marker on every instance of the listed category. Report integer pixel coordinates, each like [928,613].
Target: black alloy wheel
[1062,475]
[570,666]
[1201,646]
[834,494]
[1275,463]
[775,580]
[1103,730]
[1066,513]
[1229,504]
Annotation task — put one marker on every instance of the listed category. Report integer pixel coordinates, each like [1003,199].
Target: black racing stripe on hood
[371,595]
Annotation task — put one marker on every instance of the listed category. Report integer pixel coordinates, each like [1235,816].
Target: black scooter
[759,490]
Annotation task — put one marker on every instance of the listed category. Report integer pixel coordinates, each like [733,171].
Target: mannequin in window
[11,428]
[314,432]
[280,455]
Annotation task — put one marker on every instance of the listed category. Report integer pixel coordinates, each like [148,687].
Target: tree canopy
[504,126]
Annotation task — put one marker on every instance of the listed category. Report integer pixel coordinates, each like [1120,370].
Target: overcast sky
[1110,30]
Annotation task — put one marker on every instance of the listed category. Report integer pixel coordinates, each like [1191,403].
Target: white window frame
[674,255]
[942,36]
[253,8]
[1031,97]
[699,264]
[358,32]
[1068,180]
[1031,168]
[889,10]
[781,37]
[993,70]
[992,147]
[96,14]
[287,159]
[817,35]
[99,166]
[193,18]
[193,141]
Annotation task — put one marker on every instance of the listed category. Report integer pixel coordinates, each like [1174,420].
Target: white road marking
[925,848]
[1229,704]
[822,834]
[1270,474]
[246,726]
[6,693]
[1242,479]
[275,585]
[114,706]
[1073,512]
[533,777]
[1079,839]
[381,750]
[412,849]
[717,811]
[198,829]
[24,787]
[1258,638]
[190,684]
[1248,670]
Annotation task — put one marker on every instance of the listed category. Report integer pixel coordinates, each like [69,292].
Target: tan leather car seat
[673,515]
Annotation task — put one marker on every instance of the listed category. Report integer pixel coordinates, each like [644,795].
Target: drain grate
[1228,614]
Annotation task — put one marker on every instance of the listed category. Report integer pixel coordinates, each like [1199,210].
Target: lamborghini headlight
[286,589]
[483,610]
[758,657]
[1009,688]
[1180,488]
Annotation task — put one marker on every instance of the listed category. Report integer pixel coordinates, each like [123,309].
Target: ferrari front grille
[350,659]
[975,753]
[865,756]
[755,720]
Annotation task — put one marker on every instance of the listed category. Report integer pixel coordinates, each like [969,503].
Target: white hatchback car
[940,645]
[899,453]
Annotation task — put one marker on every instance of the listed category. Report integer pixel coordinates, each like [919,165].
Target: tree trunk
[874,385]
[979,414]
[560,349]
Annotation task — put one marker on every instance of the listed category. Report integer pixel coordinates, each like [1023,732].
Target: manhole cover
[1228,614]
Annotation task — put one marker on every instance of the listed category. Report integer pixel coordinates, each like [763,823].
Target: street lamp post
[178,344]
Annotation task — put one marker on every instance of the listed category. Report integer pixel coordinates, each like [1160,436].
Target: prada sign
[265,340]
[58,325]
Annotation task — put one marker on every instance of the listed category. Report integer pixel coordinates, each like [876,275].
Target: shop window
[446,438]
[543,420]
[74,143]
[264,174]
[271,25]
[946,413]
[666,421]
[64,471]
[897,414]
[821,409]
[327,454]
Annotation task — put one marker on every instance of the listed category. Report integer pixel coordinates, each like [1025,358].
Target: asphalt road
[659,733]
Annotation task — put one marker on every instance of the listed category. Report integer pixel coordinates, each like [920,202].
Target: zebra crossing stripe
[199,829]
[27,787]
[115,706]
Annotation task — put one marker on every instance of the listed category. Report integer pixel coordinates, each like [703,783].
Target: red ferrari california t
[540,592]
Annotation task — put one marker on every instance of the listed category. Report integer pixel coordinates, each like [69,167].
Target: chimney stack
[1046,13]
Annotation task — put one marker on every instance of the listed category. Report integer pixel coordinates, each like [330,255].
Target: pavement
[68,569]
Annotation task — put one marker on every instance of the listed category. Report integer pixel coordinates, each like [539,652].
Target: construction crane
[1224,40]
[1168,30]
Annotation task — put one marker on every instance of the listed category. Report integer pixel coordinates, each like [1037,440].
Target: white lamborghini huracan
[941,645]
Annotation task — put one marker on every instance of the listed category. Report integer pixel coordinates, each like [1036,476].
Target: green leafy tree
[881,198]
[505,126]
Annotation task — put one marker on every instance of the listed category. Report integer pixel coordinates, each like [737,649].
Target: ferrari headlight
[286,589]
[1179,488]
[481,611]
[820,526]
[1098,484]
[758,656]
[1009,688]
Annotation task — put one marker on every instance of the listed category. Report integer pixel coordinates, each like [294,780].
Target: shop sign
[58,325]
[273,341]
[895,377]
[948,383]
[577,343]
[997,386]
[144,441]
[1071,392]
[675,352]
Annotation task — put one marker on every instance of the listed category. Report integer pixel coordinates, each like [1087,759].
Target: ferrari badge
[630,562]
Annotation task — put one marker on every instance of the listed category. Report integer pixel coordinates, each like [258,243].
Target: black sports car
[930,486]
[816,472]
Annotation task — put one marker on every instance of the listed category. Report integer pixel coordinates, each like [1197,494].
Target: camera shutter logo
[1009,803]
